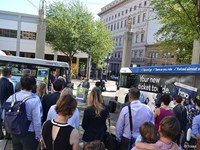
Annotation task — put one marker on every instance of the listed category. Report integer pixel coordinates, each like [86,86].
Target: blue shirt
[33,110]
[196,126]
[141,113]
[74,121]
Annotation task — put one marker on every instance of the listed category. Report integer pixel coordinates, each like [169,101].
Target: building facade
[115,16]
[18,33]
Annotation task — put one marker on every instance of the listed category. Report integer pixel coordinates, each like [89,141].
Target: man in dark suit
[6,89]
[51,99]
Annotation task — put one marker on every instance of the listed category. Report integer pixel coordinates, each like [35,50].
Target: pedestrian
[33,111]
[74,121]
[6,89]
[196,122]
[94,117]
[51,99]
[86,84]
[97,145]
[180,113]
[18,85]
[57,134]
[168,130]
[53,78]
[164,110]
[42,90]
[148,133]
[140,113]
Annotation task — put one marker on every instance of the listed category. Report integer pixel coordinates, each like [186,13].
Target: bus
[39,68]
[181,80]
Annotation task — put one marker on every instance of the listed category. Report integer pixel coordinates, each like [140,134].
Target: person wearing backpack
[23,113]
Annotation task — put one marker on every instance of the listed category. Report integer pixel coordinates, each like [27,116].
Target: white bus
[181,80]
[40,69]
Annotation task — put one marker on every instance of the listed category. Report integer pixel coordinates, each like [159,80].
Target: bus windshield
[128,80]
[40,69]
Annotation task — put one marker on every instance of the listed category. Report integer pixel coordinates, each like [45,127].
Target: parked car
[113,77]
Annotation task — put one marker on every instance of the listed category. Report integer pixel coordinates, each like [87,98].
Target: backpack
[15,119]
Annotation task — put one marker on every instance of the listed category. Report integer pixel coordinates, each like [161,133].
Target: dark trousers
[27,142]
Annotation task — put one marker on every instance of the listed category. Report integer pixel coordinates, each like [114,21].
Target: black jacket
[6,89]
[48,101]
[95,127]
[180,113]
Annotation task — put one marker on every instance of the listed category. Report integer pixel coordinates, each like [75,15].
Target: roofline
[104,11]
[17,14]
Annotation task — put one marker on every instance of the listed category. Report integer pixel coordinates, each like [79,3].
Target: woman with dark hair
[94,118]
[56,133]
[164,110]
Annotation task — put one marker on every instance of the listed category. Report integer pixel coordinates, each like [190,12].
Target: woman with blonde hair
[74,121]
[42,89]
[94,117]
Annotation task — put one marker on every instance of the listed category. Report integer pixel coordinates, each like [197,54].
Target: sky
[31,6]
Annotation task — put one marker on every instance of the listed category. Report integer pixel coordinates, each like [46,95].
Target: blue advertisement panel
[175,69]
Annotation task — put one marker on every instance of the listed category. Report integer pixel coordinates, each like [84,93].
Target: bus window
[128,80]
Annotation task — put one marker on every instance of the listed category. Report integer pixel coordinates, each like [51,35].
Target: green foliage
[104,44]
[70,28]
[181,24]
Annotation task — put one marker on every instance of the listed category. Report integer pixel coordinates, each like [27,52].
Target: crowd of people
[55,119]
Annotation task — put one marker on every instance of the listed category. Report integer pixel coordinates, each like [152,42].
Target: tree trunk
[196,52]
[70,67]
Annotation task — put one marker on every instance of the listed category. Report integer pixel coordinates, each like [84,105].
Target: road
[108,94]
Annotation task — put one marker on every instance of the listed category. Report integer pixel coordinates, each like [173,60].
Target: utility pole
[127,45]
[41,31]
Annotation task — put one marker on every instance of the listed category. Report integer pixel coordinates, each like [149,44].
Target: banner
[80,95]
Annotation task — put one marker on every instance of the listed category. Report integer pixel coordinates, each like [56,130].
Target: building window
[118,25]
[115,15]
[140,5]
[144,17]
[114,26]
[109,18]
[28,35]
[111,28]
[125,23]
[130,9]
[122,13]
[106,19]
[133,20]
[116,40]
[112,17]
[120,40]
[118,14]
[122,24]
[126,11]
[142,37]
[140,54]
[135,7]
[8,33]
[145,3]
[135,54]
[137,38]
[138,21]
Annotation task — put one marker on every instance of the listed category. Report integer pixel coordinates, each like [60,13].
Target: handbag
[110,141]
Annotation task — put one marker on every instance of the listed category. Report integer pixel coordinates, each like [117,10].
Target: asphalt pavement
[107,95]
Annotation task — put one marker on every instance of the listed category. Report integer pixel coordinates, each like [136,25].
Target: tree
[181,22]
[70,29]
[104,44]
